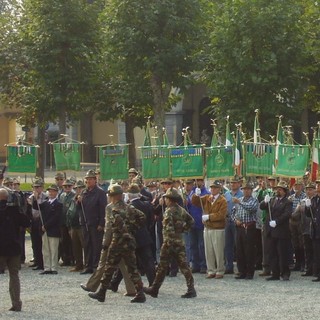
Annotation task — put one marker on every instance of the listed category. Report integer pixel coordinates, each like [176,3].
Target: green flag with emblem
[219,161]
[22,158]
[259,159]
[293,160]
[67,156]
[187,161]
[114,162]
[155,162]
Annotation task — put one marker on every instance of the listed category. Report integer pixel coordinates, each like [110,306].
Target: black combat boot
[152,291]
[191,293]
[99,295]
[139,297]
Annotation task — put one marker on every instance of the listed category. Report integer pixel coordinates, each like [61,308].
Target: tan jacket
[217,210]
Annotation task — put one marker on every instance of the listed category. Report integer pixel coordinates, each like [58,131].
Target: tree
[257,59]
[154,42]
[60,48]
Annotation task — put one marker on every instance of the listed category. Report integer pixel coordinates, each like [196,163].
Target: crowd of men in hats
[128,229]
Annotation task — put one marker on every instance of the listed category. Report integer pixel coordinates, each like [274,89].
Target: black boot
[139,297]
[152,291]
[191,293]
[99,295]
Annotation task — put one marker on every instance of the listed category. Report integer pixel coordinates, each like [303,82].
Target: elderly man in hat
[122,222]
[230,230]
[92,203]
[299,215]
[50,215]
[73,224]
[66,198]
[295,226]
[313,212]
[277,226]
[11,220]
[214,220]
[132,173]
[39,196]
[59,178]
[176,221]
[197,246]
[245,219]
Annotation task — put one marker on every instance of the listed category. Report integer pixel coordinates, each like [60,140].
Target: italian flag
[315,160]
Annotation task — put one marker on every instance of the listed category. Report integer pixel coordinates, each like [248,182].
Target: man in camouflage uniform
[123,220]
[176,221]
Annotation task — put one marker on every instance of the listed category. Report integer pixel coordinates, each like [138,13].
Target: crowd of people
[127,229]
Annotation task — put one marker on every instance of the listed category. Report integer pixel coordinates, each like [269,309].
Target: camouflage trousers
[173,249]
[115,254]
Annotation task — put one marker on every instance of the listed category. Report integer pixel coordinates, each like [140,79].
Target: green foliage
[257,59]
[150,47]
[60,53]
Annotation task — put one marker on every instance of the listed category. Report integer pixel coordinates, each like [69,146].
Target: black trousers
[145,258]
[92,246]
[316,255]
[36,240]
[245,249]
[279,257]
[308,251]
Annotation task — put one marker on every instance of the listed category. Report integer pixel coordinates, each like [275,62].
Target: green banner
[219,162]
[114,162]
[155,162]
[67,156]
[293,160]
[259,159]
[22,159]
[187,162]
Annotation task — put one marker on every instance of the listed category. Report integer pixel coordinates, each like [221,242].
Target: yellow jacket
[216,210]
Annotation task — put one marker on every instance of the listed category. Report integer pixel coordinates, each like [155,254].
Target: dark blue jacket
[51,217]
[194,211]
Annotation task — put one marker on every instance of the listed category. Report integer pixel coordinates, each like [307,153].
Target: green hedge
[28,186]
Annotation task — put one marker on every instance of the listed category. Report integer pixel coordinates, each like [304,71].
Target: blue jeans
[197,250]
[230,240]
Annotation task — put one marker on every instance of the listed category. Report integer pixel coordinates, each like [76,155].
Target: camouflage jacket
[122,221]
[176,221]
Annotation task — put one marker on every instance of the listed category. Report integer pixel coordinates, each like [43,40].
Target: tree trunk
[161,93]
[41,151]
[62,121]
[132,145]
[89,152]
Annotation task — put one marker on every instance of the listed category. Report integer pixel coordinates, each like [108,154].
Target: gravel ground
[56,297]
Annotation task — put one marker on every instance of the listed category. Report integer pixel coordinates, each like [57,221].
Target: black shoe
[113,287]
[240,276]
[195,270]
[139,297]
[84,287]
[272,278]
[151,291]
[45,272]
[307,274]
[191,293]
[228,272]
[100,295]
[15,309]
[87,271]
[316,280]
[37,268]
[54,272]
[249,277]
